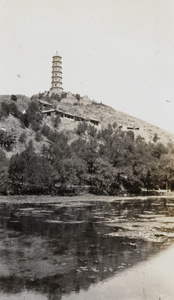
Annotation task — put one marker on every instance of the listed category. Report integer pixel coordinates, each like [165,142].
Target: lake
[69,248]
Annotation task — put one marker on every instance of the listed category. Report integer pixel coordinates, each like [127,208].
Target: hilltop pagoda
[56,84]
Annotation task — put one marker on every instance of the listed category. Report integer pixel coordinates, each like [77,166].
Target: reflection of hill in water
[56,249]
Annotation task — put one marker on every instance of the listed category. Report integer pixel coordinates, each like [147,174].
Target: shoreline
[87,197]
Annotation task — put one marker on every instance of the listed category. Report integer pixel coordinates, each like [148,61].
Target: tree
[14,110]
[45,130]
[92,131]
[107,132]
[4,112]
[14,97]
[4,179]
[38,136]
[130,135]
[77,97]
[22,138]
[104,179]
[81,128]
[158,150]
[30,171]
[33,115]
[131,182]
[166,169]
[72,171]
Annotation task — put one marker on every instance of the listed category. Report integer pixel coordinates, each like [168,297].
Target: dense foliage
[107,162]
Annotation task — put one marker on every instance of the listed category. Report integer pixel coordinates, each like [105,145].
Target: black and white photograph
[86,149]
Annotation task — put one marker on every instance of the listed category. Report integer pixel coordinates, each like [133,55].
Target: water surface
[61,249]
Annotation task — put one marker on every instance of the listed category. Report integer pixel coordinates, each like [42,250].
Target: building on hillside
[49,113]
[62,114]
[56,83]
[128,128]
[45,105]
[94,122]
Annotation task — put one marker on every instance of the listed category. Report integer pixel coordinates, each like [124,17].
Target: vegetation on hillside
[112,164]
[110,161]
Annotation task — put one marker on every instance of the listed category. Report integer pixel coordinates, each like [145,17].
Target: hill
[107,115]
[58,142]
[73,105]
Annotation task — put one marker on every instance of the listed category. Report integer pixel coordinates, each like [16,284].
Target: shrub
[114,125]
[81,128]
[38,136]
[156,138]
[22,138]
[4,112]
[77,97]
[45,130]
[14,98]
[63,95]
[130,135]
[92,131]
[14,110]
[58,97]
[40,96]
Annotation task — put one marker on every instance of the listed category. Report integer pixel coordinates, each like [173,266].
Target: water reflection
[48,250]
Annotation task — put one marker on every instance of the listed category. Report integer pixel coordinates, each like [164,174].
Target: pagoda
[56,84]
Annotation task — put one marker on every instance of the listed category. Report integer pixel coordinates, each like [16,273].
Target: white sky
[119,52]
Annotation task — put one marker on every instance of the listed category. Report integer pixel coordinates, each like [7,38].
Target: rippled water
[51,250]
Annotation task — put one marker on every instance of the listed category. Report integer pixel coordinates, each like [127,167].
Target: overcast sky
[119,52]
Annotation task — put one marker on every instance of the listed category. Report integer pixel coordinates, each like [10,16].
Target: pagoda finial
[56,52]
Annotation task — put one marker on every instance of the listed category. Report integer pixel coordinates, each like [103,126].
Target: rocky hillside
[11,126]
[106,114]
[86,108]
[74,105]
